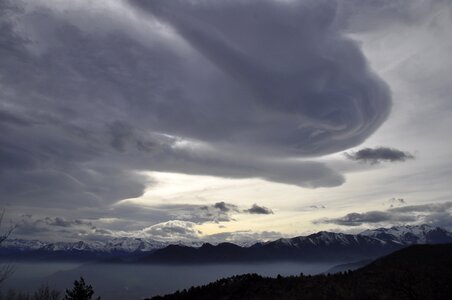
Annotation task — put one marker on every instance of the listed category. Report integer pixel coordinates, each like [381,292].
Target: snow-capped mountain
[76,246]
[402,235]
[321,246]
[408,235]
[318,246]
[23,245]
[324,238]
[116,245]
[133,245]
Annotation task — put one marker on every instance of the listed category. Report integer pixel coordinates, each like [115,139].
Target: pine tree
[80,291]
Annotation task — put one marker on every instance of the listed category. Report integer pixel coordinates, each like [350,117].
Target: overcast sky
[224,120]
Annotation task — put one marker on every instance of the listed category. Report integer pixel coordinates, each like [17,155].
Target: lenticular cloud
[282,76]
[92,93]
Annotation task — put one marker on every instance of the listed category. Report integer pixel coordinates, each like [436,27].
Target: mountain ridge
[322,245]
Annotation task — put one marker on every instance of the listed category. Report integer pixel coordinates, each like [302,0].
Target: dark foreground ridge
[417,272]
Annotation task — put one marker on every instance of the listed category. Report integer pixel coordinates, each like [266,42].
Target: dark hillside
[417,272]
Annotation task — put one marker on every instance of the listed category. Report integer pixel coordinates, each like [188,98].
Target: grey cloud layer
[53,228]
[177,230]
[153,222]
[439,214]
[357,219]
[60,229]
[236,89]
[216,213]
[377,155]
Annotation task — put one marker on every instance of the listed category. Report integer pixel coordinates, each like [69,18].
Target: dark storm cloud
[260,210]
[434,213]
[91,96]
[377,155]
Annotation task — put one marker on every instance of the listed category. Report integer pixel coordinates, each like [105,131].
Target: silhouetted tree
[80,291]
[5,270]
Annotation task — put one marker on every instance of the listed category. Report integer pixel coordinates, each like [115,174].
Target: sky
[235,120]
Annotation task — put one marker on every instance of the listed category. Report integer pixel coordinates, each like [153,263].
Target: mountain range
[80,250]
[321,246]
